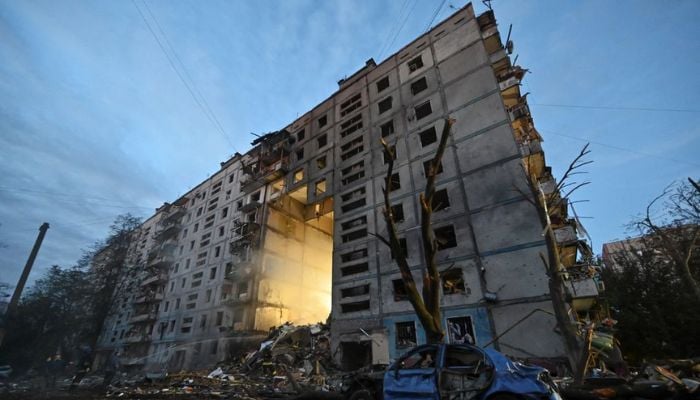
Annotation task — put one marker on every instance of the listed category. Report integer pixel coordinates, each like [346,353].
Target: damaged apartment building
[288,230]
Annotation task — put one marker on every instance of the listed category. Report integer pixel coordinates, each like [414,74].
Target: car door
[413,376]
[466,372]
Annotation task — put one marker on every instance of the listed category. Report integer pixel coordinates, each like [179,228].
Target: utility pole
[23,279]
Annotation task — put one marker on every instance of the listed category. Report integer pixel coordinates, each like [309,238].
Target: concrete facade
[286,231]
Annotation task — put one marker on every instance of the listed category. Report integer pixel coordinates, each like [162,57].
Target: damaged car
[454,371]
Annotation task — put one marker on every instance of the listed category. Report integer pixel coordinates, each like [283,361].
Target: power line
[403,22]
[435,14]
[182,78]
[182,66]
[71,199]
[618,108]
[628,150]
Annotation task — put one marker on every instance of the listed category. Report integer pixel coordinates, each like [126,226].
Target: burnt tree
[427,303]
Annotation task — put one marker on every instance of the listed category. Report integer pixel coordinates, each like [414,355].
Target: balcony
[133,360]
[270,156]
[154,279]
[250,206]
[583,292]
[236,300]
[142,318]
[137,339]
[166,232]
[172,214]
[149,298]
[566,235]
[161,261]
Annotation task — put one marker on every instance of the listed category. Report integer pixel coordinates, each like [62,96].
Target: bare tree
[427,303]
[675,234]
[548,205]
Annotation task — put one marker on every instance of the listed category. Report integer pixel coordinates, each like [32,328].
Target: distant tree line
[66,307]
[652,286]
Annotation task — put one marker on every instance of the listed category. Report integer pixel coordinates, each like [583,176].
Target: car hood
[514,377]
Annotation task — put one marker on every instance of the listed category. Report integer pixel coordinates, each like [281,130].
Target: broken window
[453,281]
[399,287]
[224,212]
[382,84]
[384,105]
[419,86]
[212,273]
[217,251]
[460,330]
[388,154]
[394,182]
[322,121]
[320,187]
[203,321]
[387,128]
[441,201]
[426,168]
[214,347]
[298,175]
[359,234]
[354,307]
[354,255]
[404,248]
[445,237]
[301,134]
[415,64]
[428,136]
[321,162]
[351,125]
[355,291]
[300,154]
[405,334]
[354,223]
[322,140]
[397,212]
[242,288]
[352,148]
[219,318]
[354,269]
[350,105]
[423,110]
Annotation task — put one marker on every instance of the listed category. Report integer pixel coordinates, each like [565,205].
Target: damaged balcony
[167,231]
[583,292]
[134,339]
[172,214]
[252,205]
[149,298]
[143,318]
[246,235]
[236,300]
[154,279]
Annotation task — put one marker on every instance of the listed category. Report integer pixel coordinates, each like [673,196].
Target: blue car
[459,372]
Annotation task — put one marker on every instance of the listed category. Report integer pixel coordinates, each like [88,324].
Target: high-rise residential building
[288,230]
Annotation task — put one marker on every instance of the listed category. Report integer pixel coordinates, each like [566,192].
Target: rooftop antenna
[487,3]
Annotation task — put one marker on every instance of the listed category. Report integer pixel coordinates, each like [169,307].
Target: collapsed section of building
[287,232]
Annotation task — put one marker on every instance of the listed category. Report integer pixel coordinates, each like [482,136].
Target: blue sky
[95,122]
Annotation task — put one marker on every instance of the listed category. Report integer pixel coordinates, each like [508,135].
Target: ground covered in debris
[292,362]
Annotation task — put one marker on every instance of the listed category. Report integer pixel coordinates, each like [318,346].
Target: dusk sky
[95,121]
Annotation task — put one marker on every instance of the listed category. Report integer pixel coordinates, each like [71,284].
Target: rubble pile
[292,361]
[667,379]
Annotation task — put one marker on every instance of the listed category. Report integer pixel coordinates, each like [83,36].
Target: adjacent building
[288,230]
